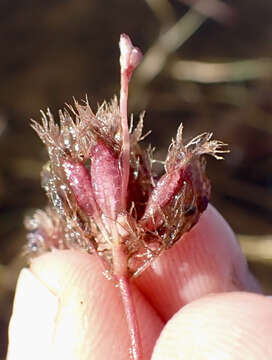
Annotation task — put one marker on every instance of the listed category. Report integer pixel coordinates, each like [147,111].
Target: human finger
[71,311]
[234,326]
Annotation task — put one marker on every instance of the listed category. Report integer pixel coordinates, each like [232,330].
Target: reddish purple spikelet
[80,183]
[164,191]
[106,180]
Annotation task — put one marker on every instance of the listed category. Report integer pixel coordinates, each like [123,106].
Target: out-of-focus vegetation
[207,63]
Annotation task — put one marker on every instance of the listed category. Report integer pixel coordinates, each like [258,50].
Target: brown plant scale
[103,195]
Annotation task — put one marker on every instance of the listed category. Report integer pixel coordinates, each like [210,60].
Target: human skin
[197,301]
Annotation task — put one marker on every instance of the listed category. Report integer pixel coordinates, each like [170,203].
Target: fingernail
[31,328]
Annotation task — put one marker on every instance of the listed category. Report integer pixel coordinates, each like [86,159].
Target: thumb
[65,308]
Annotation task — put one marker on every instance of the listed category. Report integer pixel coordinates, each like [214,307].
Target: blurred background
[208,63]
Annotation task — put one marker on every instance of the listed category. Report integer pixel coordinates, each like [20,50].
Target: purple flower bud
[80,182]
[106,180]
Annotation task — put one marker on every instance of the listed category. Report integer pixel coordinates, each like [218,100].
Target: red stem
[125,135]
[135,339]
[130,56]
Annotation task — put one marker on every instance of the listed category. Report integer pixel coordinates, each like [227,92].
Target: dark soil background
[219,80]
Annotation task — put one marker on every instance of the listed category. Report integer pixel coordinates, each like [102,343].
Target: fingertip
[224,326]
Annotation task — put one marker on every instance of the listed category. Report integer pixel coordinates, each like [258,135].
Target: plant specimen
[103,195]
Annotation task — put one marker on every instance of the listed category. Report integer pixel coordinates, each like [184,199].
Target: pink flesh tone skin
[234,326]
[91,323]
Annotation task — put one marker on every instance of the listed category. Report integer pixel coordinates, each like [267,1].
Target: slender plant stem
[125,134]
[130,57]
[134,333]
